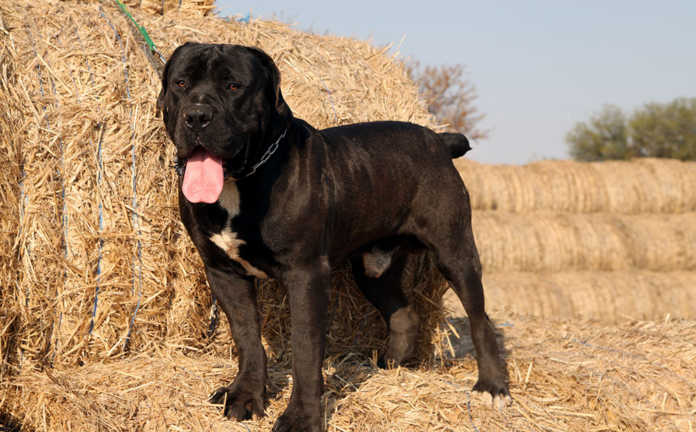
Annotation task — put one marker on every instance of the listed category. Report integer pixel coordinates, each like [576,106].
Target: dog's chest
[228,240]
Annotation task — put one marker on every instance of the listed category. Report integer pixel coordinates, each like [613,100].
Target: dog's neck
[270,150]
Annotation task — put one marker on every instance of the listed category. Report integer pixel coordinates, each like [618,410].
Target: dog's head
[224,100]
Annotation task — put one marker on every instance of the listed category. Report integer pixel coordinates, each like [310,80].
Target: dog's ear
[281,107]
[165,76]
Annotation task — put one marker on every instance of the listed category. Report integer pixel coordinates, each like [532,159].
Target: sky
[539,67]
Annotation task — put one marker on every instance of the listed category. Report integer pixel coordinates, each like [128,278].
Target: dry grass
[637,376]
[639,186]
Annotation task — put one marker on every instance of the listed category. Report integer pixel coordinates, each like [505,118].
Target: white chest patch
[229,198]
[227,239]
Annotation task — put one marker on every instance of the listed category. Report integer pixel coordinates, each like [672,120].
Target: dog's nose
[198,117]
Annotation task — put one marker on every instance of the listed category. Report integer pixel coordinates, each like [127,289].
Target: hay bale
[549,242]
[578,376]
[102,264]
[81,234]
[638,186]
[607,297]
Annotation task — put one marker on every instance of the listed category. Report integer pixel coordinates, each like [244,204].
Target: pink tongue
[203,178]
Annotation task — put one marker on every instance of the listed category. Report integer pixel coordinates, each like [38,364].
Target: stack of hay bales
[604,240]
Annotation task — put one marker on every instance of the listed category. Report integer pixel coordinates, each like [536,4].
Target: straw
[578,376]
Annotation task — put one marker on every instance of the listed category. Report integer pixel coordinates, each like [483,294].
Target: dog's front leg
[246,395]
[308,293]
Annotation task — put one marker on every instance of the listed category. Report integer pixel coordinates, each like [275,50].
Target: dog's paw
[294,420]
[498,393]
[501,402]
[239,404]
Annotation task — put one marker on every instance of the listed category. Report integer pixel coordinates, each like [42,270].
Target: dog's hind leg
[386,294]
[458,260]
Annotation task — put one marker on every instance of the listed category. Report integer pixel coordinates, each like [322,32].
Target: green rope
[142,30]
[155,58]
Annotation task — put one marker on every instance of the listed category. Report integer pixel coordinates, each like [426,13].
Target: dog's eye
[181,83]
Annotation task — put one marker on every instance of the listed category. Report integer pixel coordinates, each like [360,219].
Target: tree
[449,96]
[655,130]
[665,130]
[605,136]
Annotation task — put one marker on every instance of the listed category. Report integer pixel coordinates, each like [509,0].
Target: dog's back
[377,176]
[385,135]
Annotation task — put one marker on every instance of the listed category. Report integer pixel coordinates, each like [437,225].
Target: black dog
[265,195]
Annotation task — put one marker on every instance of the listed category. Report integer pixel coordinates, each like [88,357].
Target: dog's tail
[457,143]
